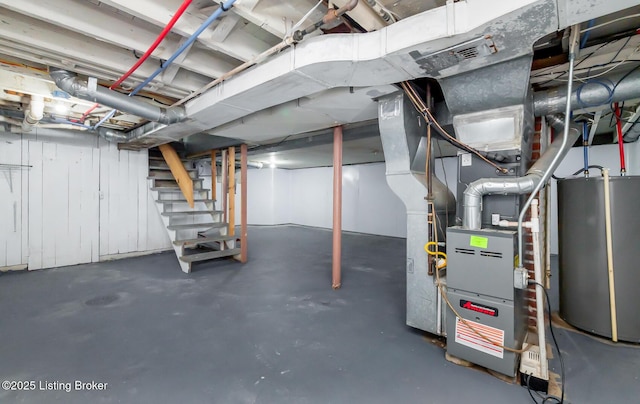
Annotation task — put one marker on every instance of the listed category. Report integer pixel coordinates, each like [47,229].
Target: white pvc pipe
[612,288]
[34,113]
[537,270]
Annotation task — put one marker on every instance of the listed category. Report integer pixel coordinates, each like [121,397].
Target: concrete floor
[270,331]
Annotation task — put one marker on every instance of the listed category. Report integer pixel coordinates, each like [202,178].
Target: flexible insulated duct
[70,83]
[625,87]
[472,202]
[633,133]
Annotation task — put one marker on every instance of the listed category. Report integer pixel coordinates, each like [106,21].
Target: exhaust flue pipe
[70,83]
[472,203]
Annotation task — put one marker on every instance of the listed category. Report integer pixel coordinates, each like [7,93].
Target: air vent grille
[491,254]
[468,53]
[465,251]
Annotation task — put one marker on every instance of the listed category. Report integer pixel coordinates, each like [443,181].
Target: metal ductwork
[472,218]
[34,113]
[70,83]
[403,135]
[112,135]
[554,101]
[633,133]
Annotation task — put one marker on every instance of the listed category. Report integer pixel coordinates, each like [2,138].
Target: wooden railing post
[243,203]
[224,186]
[214,174]
[232,192]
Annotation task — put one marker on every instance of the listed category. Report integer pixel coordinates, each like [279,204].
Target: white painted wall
[13,187]
[129,220]
[63,204]
[81,200]
[268,201]
[368,204]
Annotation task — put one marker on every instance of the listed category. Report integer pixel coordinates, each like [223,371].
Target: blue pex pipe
[223,7]
[586,34]
[585,147]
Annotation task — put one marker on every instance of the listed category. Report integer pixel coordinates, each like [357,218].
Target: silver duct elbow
[472,203]
[70,83]
[112,135]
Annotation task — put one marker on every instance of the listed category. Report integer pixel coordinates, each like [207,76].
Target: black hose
[577,172]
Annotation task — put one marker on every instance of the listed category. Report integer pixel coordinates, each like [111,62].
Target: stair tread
[182,200]
[191,212]
[203,240]
[160,158]
[209,255]
[196,225]
[169,178]
[168,169]
[174,189]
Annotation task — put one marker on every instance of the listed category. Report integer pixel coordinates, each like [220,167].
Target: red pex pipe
[623,167]
[148,53]
[155,44]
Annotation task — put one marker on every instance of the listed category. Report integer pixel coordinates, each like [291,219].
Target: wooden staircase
[198,231]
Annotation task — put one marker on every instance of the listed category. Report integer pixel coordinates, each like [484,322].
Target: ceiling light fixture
[61,108]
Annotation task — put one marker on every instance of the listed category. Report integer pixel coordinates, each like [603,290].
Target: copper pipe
[429,173]
[347,7]
[337,207]
[330,16]
[243,204]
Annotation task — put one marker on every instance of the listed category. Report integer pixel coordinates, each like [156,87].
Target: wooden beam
[232,191]
[223,185]
[182,177]
[336,282]
[243,208]
[214,174]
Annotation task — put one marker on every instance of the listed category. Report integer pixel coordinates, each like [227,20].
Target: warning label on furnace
[465,336]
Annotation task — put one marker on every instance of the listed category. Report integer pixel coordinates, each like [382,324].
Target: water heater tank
[584,280]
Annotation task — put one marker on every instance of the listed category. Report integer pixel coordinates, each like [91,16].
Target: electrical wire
[154,45]
[578,172]
[419,105]
[305,17]
[604,83]
[163,34]
[225,6]
[625,76]
[547,399]
[578,63]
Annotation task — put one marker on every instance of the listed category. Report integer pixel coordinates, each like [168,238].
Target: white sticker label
[465,336]
[466,160]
